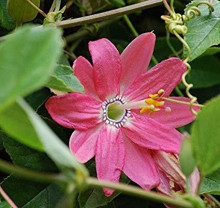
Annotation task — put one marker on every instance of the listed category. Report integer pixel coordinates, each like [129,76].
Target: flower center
[112,114]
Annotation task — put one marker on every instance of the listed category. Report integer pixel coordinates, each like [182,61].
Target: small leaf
[63,79]
[28,47]
[206,137]
[211,184]
[22,11]
[5,21]
[203,31]
[211,51]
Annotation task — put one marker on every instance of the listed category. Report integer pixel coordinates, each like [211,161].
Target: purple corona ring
[122,119]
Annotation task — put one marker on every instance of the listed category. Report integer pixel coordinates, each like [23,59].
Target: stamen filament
[182,102]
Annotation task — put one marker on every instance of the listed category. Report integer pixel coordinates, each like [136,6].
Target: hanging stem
[109,14]
[7,198]
[130,25]
[168,8]
[134,191]
[37,8]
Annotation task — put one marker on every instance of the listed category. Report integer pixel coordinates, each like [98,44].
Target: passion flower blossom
[122,118]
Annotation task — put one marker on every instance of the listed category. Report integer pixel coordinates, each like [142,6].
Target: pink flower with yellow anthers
[125,115]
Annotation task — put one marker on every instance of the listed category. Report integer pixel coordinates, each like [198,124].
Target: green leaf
[38,98]
[5,20]
[205,72]
[47,198]
[16,124]
[211,184]
[211,51]
[203,31]
[63,79]
[206,137]
[28,47]
[24,156]
[53,146]
[22,11]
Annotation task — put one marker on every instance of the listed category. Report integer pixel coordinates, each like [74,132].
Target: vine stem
[108,14]
[135,191]
[30,174]
[37,8]
[7,198]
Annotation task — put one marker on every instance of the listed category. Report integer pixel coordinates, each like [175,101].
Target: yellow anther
[160,92]
[153,104]
[144,109]
[153,96]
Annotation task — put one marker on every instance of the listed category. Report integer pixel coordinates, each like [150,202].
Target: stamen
[153,104]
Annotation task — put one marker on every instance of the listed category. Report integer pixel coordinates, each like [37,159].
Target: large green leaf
[47,198]
[27,58]
[5,20]
[211,184]
[27,157]
[52,145]
[206,137]
[15,122]
[63,79]
[203,30]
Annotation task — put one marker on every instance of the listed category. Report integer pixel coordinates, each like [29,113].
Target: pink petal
[151,134]
[165,75]
[139,166]
[164,186]
[107,67]
[74,110]
[135,58]
[180,114]
[84,72]
[83,143]
[110,154]
[194,181]
[169,164]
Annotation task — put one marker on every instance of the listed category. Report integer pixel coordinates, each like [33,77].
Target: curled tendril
[194,11]
[191,13]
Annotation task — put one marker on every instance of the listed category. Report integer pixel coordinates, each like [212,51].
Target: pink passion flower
[122,119]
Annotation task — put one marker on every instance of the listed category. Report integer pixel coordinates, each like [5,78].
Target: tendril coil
[175,25]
